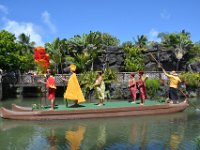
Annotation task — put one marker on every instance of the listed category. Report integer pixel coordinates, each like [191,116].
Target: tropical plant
[134,59]
[27,45]
[198,142]
[194,53]
[14,60]
[191,79]
[82,61]
[110,76]
[109,40]
[141,42]
[87,80]
[87,47]
[152,86]
[55,50]
[179,42]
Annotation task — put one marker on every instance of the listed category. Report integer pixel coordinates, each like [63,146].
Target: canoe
[16,107]
[111,109]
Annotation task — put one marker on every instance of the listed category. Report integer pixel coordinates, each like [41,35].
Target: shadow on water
[171,132]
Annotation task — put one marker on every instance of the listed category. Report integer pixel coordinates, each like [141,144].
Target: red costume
[51,85]
[142,87]
[132,87]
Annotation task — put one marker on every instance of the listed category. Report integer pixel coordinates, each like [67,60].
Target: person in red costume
[51,86]
[142,87]
[133,87]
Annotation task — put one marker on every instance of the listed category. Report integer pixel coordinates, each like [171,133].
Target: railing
[32,80]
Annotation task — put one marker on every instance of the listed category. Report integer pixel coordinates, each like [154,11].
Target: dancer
[133,87]
[73,91]
[100,88]
[141,83]
[51,87]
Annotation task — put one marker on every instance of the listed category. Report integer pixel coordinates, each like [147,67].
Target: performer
[51,86]
[141,83]
[173,85]
[73,91]
[133,87]
[100,88]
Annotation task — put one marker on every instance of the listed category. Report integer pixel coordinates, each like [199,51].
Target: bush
[152,86]
[191,79]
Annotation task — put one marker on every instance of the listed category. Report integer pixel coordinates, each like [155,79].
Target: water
[161,132]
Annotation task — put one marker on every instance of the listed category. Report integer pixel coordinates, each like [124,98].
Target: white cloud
[26,28]
[153,36]
[165,14]
[3,9]
[47,20]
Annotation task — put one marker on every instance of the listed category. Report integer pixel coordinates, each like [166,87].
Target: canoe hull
[93,113]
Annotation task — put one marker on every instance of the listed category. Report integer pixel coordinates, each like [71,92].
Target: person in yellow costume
[73,91]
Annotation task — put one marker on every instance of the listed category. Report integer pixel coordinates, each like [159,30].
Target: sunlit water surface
[161,132]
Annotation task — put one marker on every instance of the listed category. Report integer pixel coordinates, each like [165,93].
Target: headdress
[72,67]
[173,73]
[141,72]
[132,74]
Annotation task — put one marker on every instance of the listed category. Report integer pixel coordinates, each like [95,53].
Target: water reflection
[52,138]
[171,132]
[74,137]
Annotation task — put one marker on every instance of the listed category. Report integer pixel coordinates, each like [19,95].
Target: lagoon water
[161,132]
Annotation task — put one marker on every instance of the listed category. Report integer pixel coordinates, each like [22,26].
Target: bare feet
[141,104]
[51,109]
[100,104]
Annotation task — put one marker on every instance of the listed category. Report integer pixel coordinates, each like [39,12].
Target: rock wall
[114,58]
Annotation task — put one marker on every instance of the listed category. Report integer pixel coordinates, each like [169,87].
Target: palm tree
[141,42]
[180,42]
[55,50]
[183,45]
[24,40]
[87,46]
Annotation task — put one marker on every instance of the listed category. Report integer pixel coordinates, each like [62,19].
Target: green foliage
[16,56]
[141,42]
[152,86]
[194,53]
[180,42]
[191,79]
[198,142]
[110,76]
[134,59]
[87,80]
[109,40]
[82,61]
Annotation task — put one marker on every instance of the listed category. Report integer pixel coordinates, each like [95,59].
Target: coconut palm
[180,42]
[141,42]
[56,51]
[28,46]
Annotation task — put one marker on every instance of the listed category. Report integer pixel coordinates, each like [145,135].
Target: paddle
[186,97]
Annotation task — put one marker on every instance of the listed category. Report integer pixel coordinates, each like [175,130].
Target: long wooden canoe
[23,113]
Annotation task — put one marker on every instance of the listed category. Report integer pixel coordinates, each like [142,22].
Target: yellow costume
[75,137]
[74,91]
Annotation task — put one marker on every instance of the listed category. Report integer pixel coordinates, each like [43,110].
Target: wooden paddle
[165,71]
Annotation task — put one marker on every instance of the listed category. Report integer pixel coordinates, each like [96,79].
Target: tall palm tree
[183,45]
[24,40]
[55,50]
[141,42]
[180,42]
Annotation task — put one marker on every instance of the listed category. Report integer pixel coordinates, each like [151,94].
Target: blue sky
[45,20]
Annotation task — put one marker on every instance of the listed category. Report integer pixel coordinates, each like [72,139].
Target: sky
[45,20]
